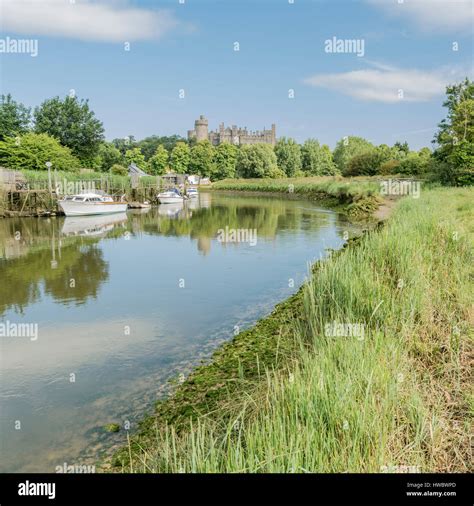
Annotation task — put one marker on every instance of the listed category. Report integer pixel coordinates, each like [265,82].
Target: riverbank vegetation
[357,197]
[67,133]
[290,396]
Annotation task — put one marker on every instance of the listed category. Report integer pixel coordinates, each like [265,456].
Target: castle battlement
[233,134]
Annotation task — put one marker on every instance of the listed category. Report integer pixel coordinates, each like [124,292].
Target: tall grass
[399,396]
[360,196]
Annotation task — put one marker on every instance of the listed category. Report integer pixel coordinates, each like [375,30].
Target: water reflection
[107,295]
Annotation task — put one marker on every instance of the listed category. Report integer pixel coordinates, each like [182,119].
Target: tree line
[67,133]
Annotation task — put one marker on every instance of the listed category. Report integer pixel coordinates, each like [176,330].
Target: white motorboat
[170,197]
[192,193]
[91,203]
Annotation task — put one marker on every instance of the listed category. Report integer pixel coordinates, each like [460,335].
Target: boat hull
[170,200]
[72,208]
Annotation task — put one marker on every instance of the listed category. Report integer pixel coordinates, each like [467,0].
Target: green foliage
[125,144]
[14,117]
[158,163]
[71,122]
[365,164]
[135,156]
[288,153]
[118,170]
[460,165]
[455,136]
[389,167]
[32,151]
[316,159]
[347,148]
[202,159]
[109,155]
[415,163]
[225,161]
[149,145]
[180,157]
[257,160]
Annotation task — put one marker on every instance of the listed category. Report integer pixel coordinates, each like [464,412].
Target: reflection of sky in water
[118,375]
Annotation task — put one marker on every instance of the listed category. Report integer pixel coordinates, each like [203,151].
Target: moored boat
[91,203]
[170,197]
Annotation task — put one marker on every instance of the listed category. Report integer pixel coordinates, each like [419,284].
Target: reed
[396,398]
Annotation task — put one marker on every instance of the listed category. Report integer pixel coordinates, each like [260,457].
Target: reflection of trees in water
[266,216]
[44,260]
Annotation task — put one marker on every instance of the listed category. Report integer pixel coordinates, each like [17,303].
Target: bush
[390,167]
[256,161]
[118,170]
[32,151]
[366,164]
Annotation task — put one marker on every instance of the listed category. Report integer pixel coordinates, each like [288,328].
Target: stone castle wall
[233,135]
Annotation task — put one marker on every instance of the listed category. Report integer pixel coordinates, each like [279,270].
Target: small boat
[192,193]
[91,203]
[170,197]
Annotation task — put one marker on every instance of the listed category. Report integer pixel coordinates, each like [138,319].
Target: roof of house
[134,169]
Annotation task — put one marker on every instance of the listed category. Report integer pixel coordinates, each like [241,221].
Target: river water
[115,307]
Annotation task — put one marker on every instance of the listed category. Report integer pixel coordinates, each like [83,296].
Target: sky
[320,69]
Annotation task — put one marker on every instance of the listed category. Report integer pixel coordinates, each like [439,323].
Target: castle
[232,134]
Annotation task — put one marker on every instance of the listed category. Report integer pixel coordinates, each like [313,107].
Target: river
[114,307]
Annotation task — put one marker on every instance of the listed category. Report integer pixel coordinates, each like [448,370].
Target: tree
[118,170]
[365,164]
[455,137]
[202,159]
[415,163]
[32,151]
[109,155]
[347,148]
[135,156]
[327,165]
[71,122]
[317,160]
[257,160]
[179,159]
[14,117]
[225,160]
[402,147]
[125,144]
[149,145]
[159,161]
[288,153]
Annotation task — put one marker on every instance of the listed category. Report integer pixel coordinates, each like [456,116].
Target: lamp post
[48,165]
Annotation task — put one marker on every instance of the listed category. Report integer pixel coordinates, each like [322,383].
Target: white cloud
[383,83]
[107,21]
[446,15]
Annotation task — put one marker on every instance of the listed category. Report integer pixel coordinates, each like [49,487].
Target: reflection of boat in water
[91,203]
[92,226]
[170,197]
[172,210]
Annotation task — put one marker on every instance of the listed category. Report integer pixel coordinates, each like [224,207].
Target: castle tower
[201,128]
[273,133]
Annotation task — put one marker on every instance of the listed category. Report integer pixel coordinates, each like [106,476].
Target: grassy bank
[287,397]
[358,197]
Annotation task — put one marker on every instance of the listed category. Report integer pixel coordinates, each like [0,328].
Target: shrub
[390,167]
[118,170]
[32,151]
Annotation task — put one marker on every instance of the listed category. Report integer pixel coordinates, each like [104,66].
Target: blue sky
[408,46]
